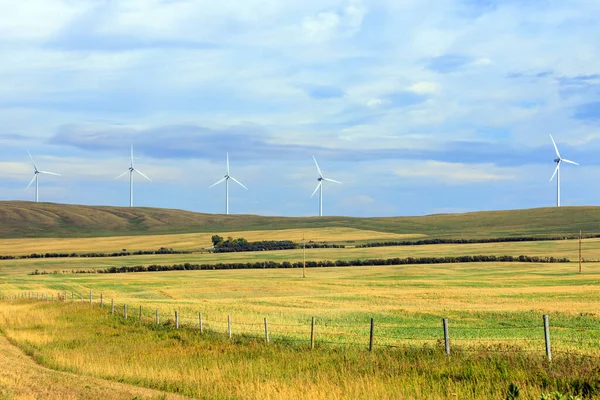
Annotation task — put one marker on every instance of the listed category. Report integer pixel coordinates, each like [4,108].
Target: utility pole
[579,251]
[303,257]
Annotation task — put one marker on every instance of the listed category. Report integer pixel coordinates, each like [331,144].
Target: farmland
[494,310]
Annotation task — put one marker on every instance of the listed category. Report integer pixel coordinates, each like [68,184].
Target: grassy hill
[25,219]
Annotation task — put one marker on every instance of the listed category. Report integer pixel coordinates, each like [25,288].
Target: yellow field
[190,241]
[21,378]
[494,310]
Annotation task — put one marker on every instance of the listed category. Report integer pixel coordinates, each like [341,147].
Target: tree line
[324,264]
[422,242]
[123,253]
[221,245]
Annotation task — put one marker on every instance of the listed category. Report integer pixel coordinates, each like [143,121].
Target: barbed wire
[331,333]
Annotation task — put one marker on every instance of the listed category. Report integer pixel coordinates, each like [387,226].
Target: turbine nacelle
[36,173]
[131,170]
[558,160]
[321,179]
[226,179]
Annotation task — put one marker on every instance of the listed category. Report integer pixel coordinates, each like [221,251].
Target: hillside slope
[26,219]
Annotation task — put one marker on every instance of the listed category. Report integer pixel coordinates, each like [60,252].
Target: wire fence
[495,336]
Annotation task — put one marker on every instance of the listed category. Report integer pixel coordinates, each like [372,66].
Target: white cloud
[424,87]
[325,26]
[454,173]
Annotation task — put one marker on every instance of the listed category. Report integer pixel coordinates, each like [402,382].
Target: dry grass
[23,379]
[90,342]
[190,241]
[562,248]
[23,219]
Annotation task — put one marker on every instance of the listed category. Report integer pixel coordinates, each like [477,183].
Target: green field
[494,310]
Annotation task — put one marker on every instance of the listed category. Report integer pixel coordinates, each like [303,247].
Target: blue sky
[418,107]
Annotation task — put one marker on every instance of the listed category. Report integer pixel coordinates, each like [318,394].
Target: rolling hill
[20,219]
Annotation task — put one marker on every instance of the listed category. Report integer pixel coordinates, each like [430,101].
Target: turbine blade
[30,183]
[216,183]
[555,171]
[31,157]
[48,173]
[318,186]
[332,180]
[227,163]
[132,155]
[122,174]
[570,162]
[238,182]
[318,169]
[140,172]
[555,148]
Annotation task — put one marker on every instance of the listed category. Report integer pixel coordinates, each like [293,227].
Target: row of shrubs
[238,245]
[470,241]
[162,250]
[322,264]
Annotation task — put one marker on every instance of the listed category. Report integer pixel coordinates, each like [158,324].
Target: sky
[417,107]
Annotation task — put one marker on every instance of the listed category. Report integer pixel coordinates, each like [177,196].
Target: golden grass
[190,241]
[90,342]
[22,379]
[561,248]
[24,219]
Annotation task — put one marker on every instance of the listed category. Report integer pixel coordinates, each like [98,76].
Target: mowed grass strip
[91,342]
[186,242]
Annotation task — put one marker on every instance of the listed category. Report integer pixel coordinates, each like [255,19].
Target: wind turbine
[226,179]
[320,187]
[556,173]
[36,173]
[131,170]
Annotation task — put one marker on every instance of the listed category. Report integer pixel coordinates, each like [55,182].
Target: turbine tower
[320,187]
[131,170]
[226,179]
[36,175]
[556,173]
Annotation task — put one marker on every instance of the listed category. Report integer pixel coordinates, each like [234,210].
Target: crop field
[494,313]
[187,242]
[559,249]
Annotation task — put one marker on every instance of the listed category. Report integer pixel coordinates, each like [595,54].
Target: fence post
[200,320]
[266,331]
[157,317]
[81,295]
[100,300]
[72,296]
[229,325]
[112,306]
[547,337]
[53,298]
[176,320]
[125,311]
[446,336]
[90,297]
[140,319]
[371,334]
[312,334]
[65,298]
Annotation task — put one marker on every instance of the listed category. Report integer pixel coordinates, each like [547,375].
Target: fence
[503,336]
